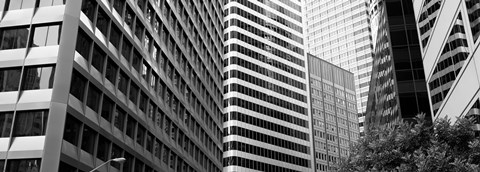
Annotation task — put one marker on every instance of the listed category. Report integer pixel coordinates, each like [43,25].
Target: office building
[86,81]
[267,125]
[339,32]
[334,115]
[449,34]
[397,88]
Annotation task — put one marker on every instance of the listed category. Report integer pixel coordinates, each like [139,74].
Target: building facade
[85,81]
[339,32]
[449,34]
[334,115]
[397,89]
[266,124]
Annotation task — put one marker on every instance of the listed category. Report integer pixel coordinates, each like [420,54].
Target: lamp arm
[100,166]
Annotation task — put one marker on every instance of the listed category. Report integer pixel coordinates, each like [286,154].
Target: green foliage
[416,147]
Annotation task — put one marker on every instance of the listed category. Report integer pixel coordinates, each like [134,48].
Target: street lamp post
[114,160]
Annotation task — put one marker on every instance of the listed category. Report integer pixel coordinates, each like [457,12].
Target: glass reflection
[35,78]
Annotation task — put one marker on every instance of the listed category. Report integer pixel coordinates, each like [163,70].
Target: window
[140,135]
[88,139]
[129,16]
[119,118]
[83,44]
[9,79]
[126,48]
[98,58]
[143,102]
[63,167]
[20,4]
[13,38]
[131,127]
[35,78]
[139,29]
[123,83]
[72,130]
[93,99]
[88,8]
[102,21]
[107,108]
[134,93]
[116,152]
[137,60]
[103,148]
[46,35]
[111,71]
[118,5]
[6,119]
[30,123]
[115,35]
[26,165]
[44,3]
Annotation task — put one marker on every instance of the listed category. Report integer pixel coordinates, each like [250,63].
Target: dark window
[83,44]
[93,99]
[9,79]
[118,5]
[44,3]
[88,139]
[126,48]
[107,108]
[136,60]
[103,148]
[128,163]
[143,102]
[64,167]
[111,71]
[119,118]
[139,29]
[131,127]
[72,130]
[88,8]
[116,153]
[123,83]
[138,165]
[140,135]
[35,78]
[15,165]
[102,21]
[129,16]
[115,35]
[6,119]
[13,38]
[98,58]
[46,35]
[133,93]
[30,123]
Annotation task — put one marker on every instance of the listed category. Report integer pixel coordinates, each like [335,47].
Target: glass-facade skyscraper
[334,115]
[397,89]
[339,32]
[85,81]
[266,122]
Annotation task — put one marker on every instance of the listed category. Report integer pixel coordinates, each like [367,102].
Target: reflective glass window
[13,38]
[9,79]
[30,123]
[35,78]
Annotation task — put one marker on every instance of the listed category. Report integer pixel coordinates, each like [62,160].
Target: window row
[235,130]
[26,4]
[234,101]
[23,123]
[37,36]
[244,147]
[15,165]
[266,125]
[33,78]
[252,164]
[266,98]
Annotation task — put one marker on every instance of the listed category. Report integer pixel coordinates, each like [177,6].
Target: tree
[418,146]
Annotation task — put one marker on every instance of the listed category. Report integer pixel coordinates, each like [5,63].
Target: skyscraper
[86,81]
[266,123]
[339,32]
[397,88]
[449,34]
[334,115]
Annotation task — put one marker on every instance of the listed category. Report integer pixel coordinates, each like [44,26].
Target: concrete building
[267,123]
[334,115]
[85,81]
[339,32]
[397,89]
[449,32]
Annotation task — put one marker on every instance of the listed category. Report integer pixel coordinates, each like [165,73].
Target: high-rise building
[334,115]
[339,32]
[397,89]
[449,32]
[267,125]
[86,81]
